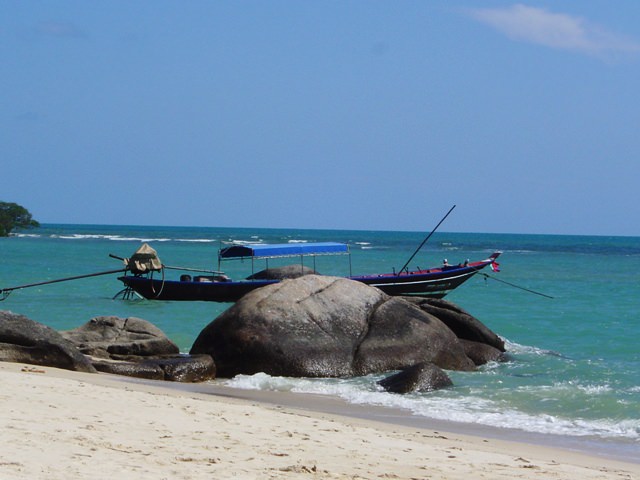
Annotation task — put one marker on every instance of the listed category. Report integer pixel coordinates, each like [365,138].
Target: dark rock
[149,371]
[135,347]
[188,368]
[105,337]
[182,368]
[464,325]
[422,377]
[282,273]
[23,340]
[481,353]
[317,326]
[401,335]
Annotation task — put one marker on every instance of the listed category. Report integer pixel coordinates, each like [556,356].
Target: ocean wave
[86,236]
[243,242]
[114,238]
[591,389]
[25,235]
[518,349]
[197,240]
[445,406]
[138,239]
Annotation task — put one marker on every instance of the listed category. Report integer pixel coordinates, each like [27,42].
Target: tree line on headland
[14,216]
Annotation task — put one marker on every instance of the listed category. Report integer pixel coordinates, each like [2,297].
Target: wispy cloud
[554,30]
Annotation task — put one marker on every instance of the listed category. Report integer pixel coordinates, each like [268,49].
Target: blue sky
[324,114]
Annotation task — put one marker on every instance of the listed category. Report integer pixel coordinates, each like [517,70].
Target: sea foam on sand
[56,424]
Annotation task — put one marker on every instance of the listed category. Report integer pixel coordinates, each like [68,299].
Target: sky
[334,114]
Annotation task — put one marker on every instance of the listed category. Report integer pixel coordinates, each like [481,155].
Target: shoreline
[613,449]
[59,423]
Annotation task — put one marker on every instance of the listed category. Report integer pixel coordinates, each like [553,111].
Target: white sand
[56,424]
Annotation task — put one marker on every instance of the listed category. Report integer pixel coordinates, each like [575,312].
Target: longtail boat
[147,274]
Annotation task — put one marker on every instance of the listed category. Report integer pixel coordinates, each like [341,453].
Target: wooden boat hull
[429,285]
[433,283]
[158,289]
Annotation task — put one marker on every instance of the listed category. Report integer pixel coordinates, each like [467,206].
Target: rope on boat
[156,295]
[486,275]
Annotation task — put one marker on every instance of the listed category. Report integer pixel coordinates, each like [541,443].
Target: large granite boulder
[421,377]
[135,347]
[23,340]
[317,326]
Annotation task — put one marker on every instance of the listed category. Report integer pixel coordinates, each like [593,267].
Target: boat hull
[428,285]
[434,283]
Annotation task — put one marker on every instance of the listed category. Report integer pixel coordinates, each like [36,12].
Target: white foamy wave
[262,381]
[244,242]
[196,240]
[137,239]
[115,238]
[347,389]
[595,389]
[443,406]
[78,236]
[25,235]
[516,349]
[298,241]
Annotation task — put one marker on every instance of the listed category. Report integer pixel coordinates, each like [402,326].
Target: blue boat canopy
[283,250]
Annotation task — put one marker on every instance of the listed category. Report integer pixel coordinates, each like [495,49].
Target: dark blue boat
[431,283]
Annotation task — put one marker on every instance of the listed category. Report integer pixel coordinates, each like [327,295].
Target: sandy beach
[57,424]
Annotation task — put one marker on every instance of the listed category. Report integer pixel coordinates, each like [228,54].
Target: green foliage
[14,216]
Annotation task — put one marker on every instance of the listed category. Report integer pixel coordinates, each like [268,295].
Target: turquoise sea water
[574,359]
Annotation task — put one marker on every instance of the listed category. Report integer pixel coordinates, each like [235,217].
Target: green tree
[14,216]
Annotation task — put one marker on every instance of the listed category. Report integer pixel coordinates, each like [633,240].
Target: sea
[568,308]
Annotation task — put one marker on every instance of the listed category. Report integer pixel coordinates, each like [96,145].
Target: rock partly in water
[400,335]
[422,377]
[317,326]
[23,340]
[481,353]
[463,324]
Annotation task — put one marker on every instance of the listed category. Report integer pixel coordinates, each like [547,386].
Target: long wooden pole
[426,239]
[6,291]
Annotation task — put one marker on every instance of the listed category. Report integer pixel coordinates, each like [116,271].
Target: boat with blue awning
[151,283]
